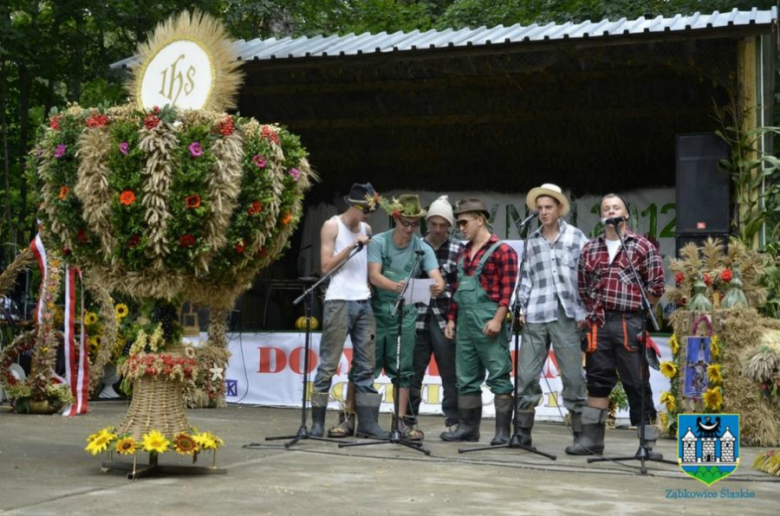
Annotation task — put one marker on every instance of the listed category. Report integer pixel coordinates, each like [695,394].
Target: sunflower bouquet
[192,443]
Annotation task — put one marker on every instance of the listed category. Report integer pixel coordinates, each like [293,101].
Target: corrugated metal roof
[351,44]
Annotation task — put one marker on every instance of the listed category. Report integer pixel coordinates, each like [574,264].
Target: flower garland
[183,443]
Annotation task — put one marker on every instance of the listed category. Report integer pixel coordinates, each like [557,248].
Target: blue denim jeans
[356,319]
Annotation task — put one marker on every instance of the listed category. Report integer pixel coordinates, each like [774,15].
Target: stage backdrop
[267,369]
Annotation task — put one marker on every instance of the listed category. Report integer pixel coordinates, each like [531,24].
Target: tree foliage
[58,51]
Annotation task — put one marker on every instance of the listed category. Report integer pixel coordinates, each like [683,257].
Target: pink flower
[295,173]
[195,149]
[60,150]
[124,147]
[259,161]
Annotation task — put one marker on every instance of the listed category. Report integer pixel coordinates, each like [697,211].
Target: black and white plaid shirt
[447,256]
[550,273]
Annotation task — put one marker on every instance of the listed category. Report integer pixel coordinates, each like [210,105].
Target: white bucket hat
[441,207]
[549,190]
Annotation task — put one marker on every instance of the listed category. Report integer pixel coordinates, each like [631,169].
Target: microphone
[528,219]
[614,221]
[360,245]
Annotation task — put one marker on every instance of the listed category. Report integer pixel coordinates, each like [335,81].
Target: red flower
[679,278]
[127,197]
[64,190]
[54,123]
[133,241]
[707,280]
[151,121]
[156,110]
[97,120]
[187,241]
[192,201]
[66,251]
[286,219]
[240,246]
[226,128]
[396,214]
[262,252]
[255,208]
[726,275]
[81,235]
[269,134]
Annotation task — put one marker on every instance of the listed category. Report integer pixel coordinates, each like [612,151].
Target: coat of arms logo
[708,445]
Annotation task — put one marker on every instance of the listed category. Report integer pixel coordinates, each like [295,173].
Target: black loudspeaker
[702,190]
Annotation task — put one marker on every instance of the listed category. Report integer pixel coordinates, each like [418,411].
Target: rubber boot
[524,424]
[367,408]
[504,404]
[469,419]
[319,406]
[591,441]
[346,426]
[651,436]
[576,426]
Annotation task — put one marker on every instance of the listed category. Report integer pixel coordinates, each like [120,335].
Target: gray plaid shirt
[447,256]
[550,273]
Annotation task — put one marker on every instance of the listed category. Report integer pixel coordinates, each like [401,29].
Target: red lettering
[551,363]
[433,368]
[296,362]
[272,360]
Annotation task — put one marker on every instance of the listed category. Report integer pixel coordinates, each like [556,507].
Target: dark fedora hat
[362,196]
[471,205]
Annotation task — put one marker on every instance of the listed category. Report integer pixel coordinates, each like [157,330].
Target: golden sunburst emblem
[188,62]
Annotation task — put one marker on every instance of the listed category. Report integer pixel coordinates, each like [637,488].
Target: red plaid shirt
[604,286]
[498,277]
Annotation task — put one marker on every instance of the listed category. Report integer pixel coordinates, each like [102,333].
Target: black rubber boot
[319,406]
[469,419]
[651,436]
[367,408]
[576,425]
[591,441]
[504,404]
[524,424]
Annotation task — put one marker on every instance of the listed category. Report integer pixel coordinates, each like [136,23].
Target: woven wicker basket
[158,404]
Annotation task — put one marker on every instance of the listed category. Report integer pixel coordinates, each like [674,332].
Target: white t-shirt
[613,246]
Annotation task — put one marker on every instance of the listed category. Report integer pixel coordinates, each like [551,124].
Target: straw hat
[549,190]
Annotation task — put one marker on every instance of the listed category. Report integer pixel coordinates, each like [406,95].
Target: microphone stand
[515,441]
[395,433]
[308,297]
[642,453]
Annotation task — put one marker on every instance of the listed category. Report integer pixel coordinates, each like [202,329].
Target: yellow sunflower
[664,418]
[713,374]
[107,430]
[208,441]
[155,441]
[90,318]
[121,311]
[100,443]
[713,398]
[92,344]
[126,446]
[669,369]
[184,444]
[674,344]
[715,347]
[668,399]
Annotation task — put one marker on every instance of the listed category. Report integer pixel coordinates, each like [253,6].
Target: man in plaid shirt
[552,310]
[613,300]
[431,320]
[487,273]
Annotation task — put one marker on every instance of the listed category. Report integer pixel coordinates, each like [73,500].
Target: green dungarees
[387,325]
[475,351]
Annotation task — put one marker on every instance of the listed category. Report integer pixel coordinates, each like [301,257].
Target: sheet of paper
[419,291]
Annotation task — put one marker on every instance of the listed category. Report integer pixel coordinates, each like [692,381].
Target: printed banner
[267,369]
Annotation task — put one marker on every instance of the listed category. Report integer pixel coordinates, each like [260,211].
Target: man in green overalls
[487,273]
[391,256]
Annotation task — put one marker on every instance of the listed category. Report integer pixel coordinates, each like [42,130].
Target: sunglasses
[407,224]
[462,223]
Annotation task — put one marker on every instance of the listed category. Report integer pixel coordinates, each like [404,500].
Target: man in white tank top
[348,312]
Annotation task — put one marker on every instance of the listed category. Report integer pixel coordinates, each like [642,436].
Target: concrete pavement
[44,470]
